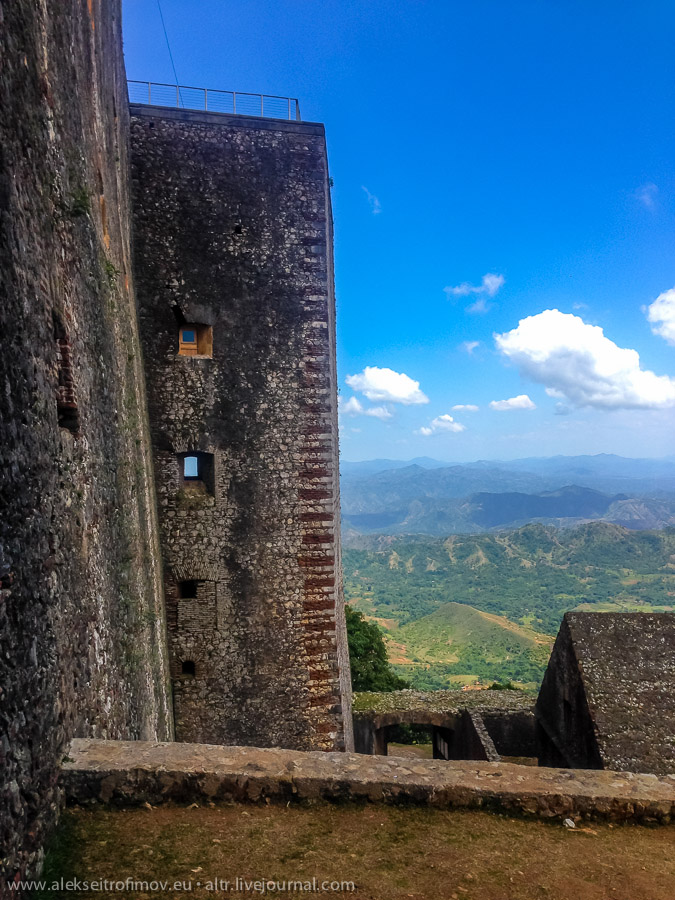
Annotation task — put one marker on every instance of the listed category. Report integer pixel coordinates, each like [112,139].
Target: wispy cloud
[387,386]
[379,412]
[647,195]
[464,407]
[522,401]
[354,407]
[441,423]
[375,205]
[478,307]
[489,286]
[469,346]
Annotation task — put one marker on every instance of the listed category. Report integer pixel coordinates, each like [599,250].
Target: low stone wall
[480,725]
[131,773]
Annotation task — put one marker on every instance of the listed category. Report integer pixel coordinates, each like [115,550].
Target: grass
[387,852]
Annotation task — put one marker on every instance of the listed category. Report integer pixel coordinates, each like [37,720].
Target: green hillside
[530,577]
[441,649]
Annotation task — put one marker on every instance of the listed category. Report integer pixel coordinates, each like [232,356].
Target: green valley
[485,607]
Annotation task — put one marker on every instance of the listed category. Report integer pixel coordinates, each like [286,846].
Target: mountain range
[427,496]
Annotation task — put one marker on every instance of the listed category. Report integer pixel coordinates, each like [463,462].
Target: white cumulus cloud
[351,407]
[522,401]
[575,361]
[442,423]
[387,386]
[661,314]
[467,407]
[354,407]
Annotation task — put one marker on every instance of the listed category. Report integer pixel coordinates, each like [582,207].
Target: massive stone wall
[233,232]
[81,615]
[608,696]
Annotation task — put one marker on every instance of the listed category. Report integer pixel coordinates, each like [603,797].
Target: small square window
[195,340]
[188,668]
[197,473]
[187,590]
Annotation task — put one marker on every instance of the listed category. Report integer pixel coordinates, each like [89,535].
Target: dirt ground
[411,751]
[389,853]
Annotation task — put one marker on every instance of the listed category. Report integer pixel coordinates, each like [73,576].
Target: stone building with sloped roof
[608,696]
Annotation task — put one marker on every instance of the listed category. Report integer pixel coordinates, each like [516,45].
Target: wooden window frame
[201,347]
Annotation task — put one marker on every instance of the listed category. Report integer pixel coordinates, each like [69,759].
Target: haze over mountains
[427,496]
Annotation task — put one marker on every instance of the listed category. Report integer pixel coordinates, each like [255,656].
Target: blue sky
[530,142]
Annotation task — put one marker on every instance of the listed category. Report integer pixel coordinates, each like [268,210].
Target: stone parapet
[133,773]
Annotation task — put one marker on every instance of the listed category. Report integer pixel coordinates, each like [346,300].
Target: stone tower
[234,276]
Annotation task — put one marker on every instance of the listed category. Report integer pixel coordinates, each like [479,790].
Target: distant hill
[531,576]
[475,497]
[373,466]
[571,501]
[441,649]
[486,606]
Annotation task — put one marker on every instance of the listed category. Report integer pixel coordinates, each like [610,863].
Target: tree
[368,656]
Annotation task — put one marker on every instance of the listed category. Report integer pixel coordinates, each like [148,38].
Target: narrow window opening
[195,340]
[238,229]
[197,472]
[66,400]
[188,668]
[191,468]
[187,590]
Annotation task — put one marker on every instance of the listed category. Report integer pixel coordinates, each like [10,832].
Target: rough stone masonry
[233,233]
[234,279]
[82,631]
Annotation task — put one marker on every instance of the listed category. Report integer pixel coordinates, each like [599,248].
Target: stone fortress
[169,538]
[234,283]
[169,541]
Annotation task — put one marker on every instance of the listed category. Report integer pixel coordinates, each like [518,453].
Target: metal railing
[234,102]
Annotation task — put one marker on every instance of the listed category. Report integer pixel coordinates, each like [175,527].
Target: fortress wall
[233,232]
[81,613]
[129,775]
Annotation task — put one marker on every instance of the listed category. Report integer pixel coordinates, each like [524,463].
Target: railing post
[262,111]
[289,107]
[150,93]
[177,97]
[205,103]
[234,101]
